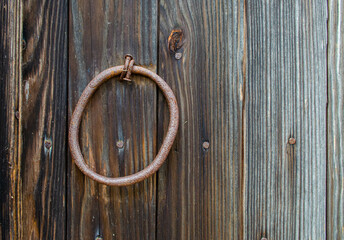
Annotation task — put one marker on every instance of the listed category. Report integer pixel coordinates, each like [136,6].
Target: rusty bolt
[178,55]
[206,145]
[47,144]
[120,144]
[291,141]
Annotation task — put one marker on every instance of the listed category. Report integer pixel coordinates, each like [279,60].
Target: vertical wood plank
[10,75]
[335,118]
[201,189]
[101,33]
[42,114]
[285,197]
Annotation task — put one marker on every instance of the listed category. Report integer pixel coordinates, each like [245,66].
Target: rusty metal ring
[165,147]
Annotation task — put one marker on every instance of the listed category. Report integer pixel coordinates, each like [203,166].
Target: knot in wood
[175,40]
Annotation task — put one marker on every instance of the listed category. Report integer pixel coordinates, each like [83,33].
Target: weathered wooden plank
[10,75]
[43,109]
[335,121]
[201,189]
[285,193]
[101,33]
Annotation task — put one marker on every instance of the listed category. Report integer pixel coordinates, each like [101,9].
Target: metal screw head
[292,141]
[120,144]
[206,144]
[178,55]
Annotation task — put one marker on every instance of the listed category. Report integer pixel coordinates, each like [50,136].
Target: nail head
[47,144]
[292,141]
[120,144]
[206,145]
[178,55]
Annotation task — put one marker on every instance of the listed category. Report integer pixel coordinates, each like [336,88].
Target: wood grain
[335,121]
[201,190]
[285,193]
[101,33]
[42,114]
[248,75]
[10,75]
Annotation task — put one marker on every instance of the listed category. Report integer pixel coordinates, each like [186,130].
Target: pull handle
[125,70]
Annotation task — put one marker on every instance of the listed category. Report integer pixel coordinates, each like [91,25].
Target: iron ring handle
[164,149]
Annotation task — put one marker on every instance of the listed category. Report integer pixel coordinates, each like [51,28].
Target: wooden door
[259,148]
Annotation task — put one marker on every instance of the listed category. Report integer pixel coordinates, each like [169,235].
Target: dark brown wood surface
[200,191]
[100,34]
[42,166]
[10,71]
[258,153]
[35,98]
[238,82]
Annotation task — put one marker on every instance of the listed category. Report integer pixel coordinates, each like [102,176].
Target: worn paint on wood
[285,193]
[335,122]
[201,186]
[101,33]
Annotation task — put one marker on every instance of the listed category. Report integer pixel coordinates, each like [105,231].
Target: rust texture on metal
[128,66]
[74,126]
[206,145]
[130,69]
[292,141]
